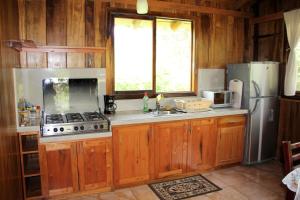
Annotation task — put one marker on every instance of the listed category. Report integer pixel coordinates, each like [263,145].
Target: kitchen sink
[166,113]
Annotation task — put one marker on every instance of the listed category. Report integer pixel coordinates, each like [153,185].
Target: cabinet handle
[200,151]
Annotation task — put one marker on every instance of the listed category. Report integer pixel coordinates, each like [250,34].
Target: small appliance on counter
[220,98]
[71,106]
[110,106]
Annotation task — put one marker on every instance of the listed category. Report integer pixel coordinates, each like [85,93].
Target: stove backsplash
[70,95]
[29,83]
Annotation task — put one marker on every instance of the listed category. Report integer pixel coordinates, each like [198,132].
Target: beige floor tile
[256,182]
[143,192]
[123,194]
[227,193]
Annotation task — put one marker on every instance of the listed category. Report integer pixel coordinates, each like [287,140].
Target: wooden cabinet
[69,167]
[59,168]
[170,148]
[230,141]
[94,164]
[131,154]
[202,142]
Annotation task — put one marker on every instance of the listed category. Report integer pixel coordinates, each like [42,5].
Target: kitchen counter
[28,128]
[135,117]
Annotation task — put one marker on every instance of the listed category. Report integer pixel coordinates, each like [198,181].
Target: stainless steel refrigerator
[260,97]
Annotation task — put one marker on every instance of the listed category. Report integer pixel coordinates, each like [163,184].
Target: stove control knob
[55,130]
[82,128]
[61,129]
[101,126]
[96,126]
[76,128]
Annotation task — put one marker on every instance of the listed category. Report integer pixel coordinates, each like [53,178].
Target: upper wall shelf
[30,46]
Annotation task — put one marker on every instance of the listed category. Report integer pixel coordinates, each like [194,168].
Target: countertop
[136,117]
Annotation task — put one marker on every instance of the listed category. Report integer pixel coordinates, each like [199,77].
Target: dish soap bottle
[145,102]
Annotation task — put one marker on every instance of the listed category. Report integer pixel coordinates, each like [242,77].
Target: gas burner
[75,123]
[54,119]
[74,117]
[92,116]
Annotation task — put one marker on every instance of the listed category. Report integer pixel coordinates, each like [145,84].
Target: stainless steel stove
[74,123]
[69,108]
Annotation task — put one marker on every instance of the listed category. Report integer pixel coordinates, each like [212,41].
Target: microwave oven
[220,98]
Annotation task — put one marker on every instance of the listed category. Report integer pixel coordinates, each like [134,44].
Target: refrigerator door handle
[255,106]
[257,90]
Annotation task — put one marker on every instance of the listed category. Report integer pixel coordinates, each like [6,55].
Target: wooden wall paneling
[218,47]
[289,118]
[239,38]
[10,174]
[203,39]
[35,21]
[75,31]
[56,23]
[22,31]
[231,42]
[90,31]
[101,31]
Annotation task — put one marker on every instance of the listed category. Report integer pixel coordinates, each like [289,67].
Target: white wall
[28,84]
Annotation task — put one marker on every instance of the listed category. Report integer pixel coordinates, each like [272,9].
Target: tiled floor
[259,182]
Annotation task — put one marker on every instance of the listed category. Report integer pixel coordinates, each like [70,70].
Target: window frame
[151,93]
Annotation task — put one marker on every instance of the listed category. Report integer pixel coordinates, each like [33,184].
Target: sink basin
[166,113]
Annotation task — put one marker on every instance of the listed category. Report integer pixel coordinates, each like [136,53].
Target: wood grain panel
[170,148]
[10,174]
[202,143]
[59,168]
[230,140]
[131,146]
[56,31]
[75,31]
[289,127]
[95,164]
[89,31]
[35,20]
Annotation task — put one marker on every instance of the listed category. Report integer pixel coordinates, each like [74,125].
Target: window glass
[133,47]
[298,67]
[173,55]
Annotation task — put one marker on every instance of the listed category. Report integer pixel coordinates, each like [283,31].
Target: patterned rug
[183,188]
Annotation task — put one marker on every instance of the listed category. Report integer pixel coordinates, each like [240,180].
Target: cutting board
[236,86]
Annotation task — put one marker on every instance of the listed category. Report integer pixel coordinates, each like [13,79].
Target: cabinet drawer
[203,122]
[232,121]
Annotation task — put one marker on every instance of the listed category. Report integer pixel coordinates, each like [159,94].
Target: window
[152,54]
[298,66]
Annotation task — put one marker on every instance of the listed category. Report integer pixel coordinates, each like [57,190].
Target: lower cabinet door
[94,164]
[131,154]
[170,148]
[230,141]
[59,168]
[202,144]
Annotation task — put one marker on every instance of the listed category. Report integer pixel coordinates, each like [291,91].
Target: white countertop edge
[28,128]
[63,138]
[186,116]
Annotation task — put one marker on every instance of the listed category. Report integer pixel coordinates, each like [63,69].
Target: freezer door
[264,79]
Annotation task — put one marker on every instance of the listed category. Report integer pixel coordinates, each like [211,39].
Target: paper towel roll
[236,86]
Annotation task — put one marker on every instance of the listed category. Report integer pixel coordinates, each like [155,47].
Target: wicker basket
[192,104]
